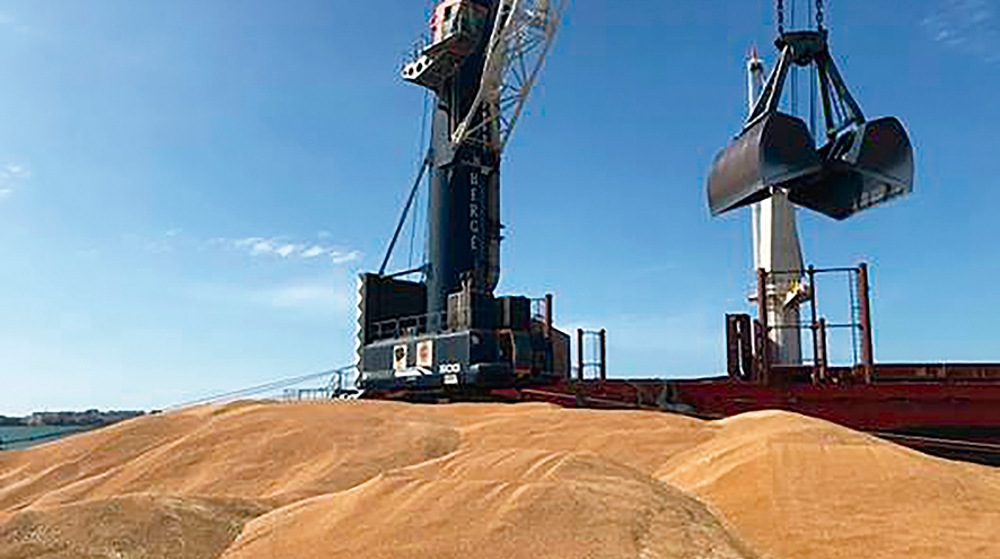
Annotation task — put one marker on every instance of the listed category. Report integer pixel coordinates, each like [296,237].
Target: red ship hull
[950,410]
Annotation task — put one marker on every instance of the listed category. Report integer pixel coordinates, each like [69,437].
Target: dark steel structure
[450,333]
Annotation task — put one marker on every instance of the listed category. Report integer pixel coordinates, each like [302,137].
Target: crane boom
[521,39]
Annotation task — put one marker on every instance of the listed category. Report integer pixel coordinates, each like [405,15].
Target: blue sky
[188,188]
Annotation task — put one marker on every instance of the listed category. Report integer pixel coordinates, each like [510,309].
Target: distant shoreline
[89,418]
[22,437]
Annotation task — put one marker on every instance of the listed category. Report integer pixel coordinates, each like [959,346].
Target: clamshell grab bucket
[862,164]
[876,167]
[772,152]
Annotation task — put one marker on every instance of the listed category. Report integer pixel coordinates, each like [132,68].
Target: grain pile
[128,526]
[373,480]
[803,488]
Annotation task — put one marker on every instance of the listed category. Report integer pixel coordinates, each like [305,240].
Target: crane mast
[463,233]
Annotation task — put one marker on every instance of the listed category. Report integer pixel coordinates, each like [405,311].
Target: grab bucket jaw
[772,152]
[877,167]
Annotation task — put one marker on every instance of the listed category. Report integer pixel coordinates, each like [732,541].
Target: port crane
[450,331]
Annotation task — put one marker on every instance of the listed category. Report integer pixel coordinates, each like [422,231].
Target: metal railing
[542,311]
[597,360]
[407,325]
[342,384]
[859,323]
[416,49]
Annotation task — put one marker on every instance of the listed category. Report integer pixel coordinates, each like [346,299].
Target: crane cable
[429,14]
[260,388]
[423,141]
[820,15]
[793,74]
[813,79]
[781,17]
[820,20]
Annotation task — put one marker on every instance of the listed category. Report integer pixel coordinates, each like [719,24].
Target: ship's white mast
[776,248]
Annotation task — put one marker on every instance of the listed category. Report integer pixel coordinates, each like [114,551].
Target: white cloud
[273,248]
[343,258]
[241,243]
[264,246]
[11,176]
[313,252]
[16,171]
[967,25]
[287,249]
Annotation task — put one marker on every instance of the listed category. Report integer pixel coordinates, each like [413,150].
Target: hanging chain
[781,16]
